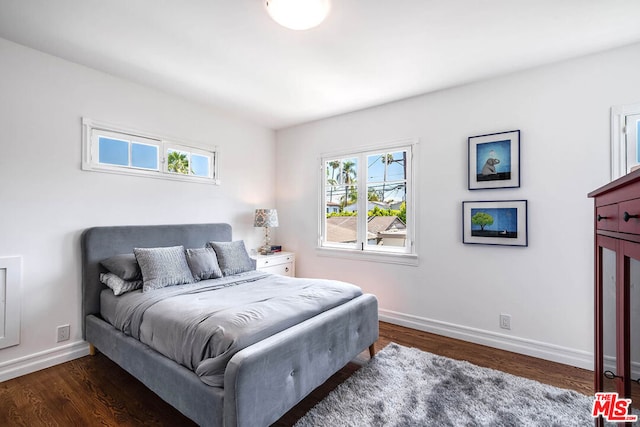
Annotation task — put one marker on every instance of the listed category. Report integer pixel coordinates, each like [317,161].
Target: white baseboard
[44,359]
[555,353]
[582,359]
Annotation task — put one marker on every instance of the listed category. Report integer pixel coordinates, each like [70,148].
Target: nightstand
[283,263]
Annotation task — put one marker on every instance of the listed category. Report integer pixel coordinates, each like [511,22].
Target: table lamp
[266,218]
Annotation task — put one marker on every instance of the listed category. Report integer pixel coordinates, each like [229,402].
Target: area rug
[404,386]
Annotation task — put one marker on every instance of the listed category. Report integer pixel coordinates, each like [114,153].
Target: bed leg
[372,350]
[92,350]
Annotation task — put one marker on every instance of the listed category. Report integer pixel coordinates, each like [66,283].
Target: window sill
[386,257]
[151,174]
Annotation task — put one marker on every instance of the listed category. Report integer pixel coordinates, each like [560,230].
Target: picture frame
[500,222]
[494,160]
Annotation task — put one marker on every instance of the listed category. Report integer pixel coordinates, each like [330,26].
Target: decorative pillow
[124,266]
[118,285]
[232,257]
[203,263]
[162,267]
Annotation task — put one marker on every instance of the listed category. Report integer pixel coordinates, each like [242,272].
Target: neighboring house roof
[343,228]
[384,223]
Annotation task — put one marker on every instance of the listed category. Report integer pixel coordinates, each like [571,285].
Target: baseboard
[44,359]
[555,353]
[581,359]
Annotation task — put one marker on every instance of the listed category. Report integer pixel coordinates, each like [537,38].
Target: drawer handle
[600,217]
[627,216]
[610,375]
[286,269]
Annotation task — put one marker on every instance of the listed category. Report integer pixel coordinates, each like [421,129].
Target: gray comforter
[202,325]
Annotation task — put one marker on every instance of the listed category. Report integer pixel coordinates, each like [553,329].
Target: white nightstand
[283,263]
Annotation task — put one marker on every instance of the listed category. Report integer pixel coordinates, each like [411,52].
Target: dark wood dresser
[617,288]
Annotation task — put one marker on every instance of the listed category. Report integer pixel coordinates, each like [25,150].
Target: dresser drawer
[279,263]
[281,269]
[629,216]
[270,260]
[607,217]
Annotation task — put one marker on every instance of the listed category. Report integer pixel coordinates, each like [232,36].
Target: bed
[259,382]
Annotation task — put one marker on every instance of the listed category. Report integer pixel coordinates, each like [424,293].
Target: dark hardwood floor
[93,391]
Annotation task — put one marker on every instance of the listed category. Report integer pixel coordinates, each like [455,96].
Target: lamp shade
[266,218]
[298,14]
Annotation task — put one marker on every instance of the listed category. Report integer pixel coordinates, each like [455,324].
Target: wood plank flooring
[93,391]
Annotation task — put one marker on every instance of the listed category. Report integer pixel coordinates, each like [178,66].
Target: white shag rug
[404,386]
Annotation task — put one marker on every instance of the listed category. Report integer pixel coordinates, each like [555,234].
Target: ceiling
[231,55]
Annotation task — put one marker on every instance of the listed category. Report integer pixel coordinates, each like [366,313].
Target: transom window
[108,149]
[128,151]
[194,162]
[367,202]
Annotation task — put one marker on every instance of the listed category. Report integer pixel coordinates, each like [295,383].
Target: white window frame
[619,138]
[190,151]
[96,133]
[361,250]
[91,130]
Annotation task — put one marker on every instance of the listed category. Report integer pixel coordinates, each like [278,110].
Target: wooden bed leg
[372,350]
[92,350]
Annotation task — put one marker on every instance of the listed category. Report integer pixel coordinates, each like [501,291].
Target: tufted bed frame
[263,381]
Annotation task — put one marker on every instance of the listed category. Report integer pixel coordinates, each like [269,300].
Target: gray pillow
[118,285]
[233,257]
[124,266]
[203,263]
[163,267]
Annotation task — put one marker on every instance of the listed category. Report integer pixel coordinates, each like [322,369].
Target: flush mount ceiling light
[298,14]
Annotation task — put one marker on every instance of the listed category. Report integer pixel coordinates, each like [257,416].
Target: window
[625,141]
[193,162]
[120,150]
[367,200]
[107,148]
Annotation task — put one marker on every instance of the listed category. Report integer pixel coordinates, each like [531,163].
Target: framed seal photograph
[494,160]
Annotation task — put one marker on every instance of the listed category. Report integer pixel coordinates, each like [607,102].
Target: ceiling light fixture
[298,14]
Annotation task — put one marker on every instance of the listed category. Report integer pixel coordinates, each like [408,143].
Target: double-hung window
[107,148]
[367,200]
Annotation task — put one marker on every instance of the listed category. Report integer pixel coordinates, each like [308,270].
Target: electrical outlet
[63,333]
[505,321]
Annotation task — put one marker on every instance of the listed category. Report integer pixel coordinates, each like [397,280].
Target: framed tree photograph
[495,223]
[494,160]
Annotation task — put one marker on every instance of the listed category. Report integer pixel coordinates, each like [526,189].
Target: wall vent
[10,284]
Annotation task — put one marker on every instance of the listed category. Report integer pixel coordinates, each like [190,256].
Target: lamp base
[265,250]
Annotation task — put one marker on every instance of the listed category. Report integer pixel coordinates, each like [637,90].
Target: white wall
[46,200]
[458,290]
[563,112]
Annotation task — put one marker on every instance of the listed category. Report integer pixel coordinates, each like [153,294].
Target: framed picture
[495,223]
[494,160]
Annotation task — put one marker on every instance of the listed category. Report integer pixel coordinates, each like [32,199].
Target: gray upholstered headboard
[99,243]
